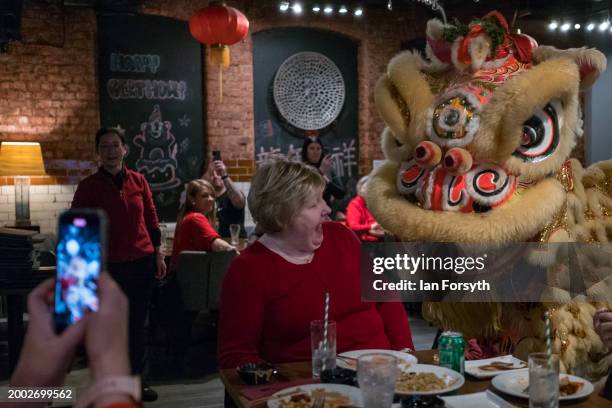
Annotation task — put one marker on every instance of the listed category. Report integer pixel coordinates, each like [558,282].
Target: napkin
[261,391]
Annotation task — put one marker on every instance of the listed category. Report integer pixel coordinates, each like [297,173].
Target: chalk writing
[157,159]
[344,162]
[184,121]
[264,155]
[134,62]
[146,89]
[344,159]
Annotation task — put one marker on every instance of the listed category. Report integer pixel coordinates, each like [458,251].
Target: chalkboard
[272,134]
[150,83]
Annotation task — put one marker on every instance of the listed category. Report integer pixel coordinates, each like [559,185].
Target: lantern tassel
[219,55]
[220,83]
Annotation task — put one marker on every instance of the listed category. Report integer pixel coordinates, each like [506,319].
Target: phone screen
[80,259]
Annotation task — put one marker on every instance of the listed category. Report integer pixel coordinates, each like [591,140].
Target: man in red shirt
[134,236]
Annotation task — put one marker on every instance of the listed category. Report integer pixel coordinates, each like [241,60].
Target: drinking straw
[548,334]
[325,322]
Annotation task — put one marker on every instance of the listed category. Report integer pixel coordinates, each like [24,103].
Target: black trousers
[136,279]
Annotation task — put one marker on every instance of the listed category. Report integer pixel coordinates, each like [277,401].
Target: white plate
[476,400]
[352,392]
[514,383]
[471,367]
[453,379]
[404,359]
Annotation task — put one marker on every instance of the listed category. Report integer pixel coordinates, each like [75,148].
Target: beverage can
[451,348]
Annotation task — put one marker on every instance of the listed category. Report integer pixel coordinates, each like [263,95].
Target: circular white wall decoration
[309,91]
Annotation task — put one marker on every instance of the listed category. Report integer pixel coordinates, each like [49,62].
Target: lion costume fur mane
[489,101]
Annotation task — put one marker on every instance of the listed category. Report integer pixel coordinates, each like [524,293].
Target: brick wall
[48,88]
[48,83]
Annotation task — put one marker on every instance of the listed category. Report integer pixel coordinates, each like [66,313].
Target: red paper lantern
[218,26]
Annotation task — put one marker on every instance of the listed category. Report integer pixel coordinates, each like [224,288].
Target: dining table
[292,372]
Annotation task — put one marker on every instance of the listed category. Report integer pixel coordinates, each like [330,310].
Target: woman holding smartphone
[134,259]
[315,155]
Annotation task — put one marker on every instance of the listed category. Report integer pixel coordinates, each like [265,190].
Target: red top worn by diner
[267,304]
[193,233]
[359,219]
[132,205]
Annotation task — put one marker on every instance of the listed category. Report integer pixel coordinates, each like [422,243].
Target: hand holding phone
[216,155]
[81,249]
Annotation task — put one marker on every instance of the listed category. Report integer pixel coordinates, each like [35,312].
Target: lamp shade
[21,159]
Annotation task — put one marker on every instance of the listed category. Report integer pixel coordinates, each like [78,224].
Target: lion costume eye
[540,136]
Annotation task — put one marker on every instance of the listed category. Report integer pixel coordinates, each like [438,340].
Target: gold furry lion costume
[477,144]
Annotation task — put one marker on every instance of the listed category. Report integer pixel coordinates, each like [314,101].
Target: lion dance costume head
[477,144]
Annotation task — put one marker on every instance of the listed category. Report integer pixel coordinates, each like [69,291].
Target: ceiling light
[358,12]
[316,9]
[328,10]
[389,5]
[591,26]
[284,6]
[297,8]
[604,26]
[577,26]
[342,10]
[565,26]
[553,25]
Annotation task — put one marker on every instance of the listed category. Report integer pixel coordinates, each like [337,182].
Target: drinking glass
[234,234]
[543,381]
[323,352]
[376,375]
[163,229]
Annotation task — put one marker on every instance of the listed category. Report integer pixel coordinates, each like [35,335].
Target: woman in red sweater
[277,285]
[194,228]
[359,218]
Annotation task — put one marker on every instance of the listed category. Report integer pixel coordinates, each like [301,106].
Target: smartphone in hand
[216,155]
[81,250]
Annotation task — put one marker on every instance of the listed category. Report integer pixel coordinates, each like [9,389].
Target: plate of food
[490,367]
[348,359]
[516,383]
[303,396]
[426,379]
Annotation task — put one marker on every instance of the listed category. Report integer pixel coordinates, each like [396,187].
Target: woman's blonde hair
[192,189]
[279,189]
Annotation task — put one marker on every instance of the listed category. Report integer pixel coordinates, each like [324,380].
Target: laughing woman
[277,286]
[194,229]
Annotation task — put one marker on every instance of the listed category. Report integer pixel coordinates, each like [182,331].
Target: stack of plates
[16,248]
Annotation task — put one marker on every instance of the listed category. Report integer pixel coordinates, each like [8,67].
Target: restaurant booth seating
[200,276]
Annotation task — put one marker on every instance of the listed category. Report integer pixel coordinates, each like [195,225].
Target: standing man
[230,200]
[134,259]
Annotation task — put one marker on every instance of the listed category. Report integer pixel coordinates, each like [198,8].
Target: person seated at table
[359,218]
[277,286]
[194,227]
[46,356]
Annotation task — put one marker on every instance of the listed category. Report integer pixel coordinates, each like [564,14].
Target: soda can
[451,348]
